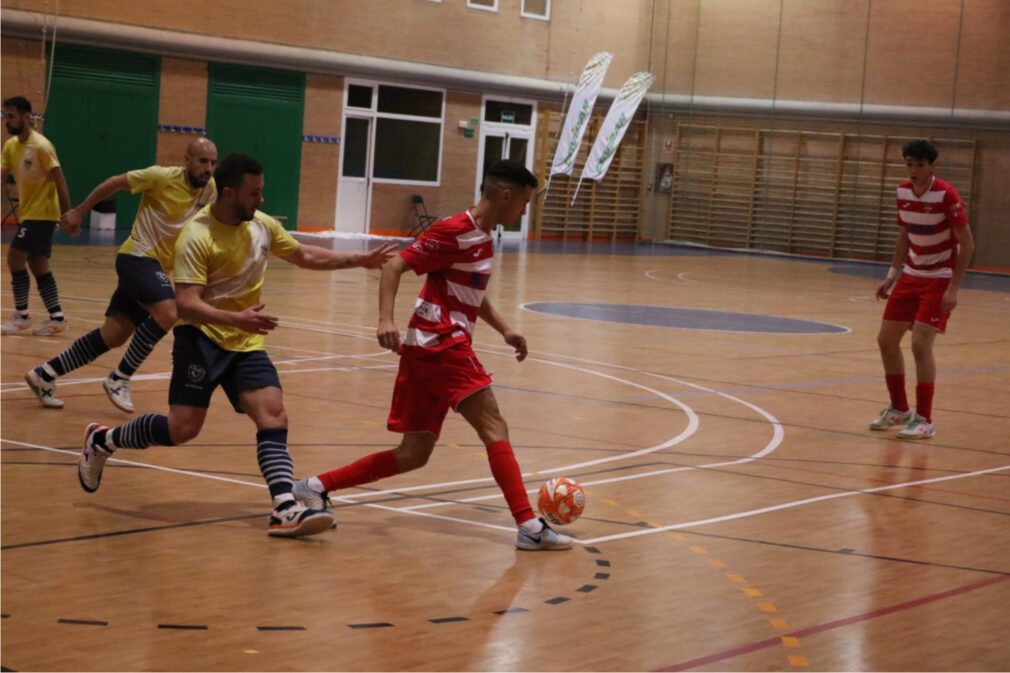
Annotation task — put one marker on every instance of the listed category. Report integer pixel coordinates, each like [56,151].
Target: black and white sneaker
[92,460]
[547,539]
[293,519]
[309,496]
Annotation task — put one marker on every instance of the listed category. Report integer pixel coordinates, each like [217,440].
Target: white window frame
[538,17]
[375,115]
[483,8]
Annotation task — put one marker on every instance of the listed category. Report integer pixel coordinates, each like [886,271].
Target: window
[407,143]
[359,96]
[486,5]
[537,9]
[508,113]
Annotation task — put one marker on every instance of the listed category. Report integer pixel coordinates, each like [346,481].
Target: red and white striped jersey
[457,255]
[928,219]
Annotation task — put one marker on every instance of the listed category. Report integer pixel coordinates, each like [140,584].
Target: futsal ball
[561,500]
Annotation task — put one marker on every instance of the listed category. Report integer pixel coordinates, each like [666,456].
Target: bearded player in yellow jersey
[43,195]
[143,304]
[220,264]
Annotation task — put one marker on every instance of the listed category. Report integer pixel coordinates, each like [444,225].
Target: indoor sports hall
[695,277]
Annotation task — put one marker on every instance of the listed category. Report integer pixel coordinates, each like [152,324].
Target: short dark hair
[918,150]
[233,168]
[19,103]
[508,172]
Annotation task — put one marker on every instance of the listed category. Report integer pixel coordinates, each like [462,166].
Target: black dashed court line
[510,611]
[592,550]
[371,625]
[603,563]
[602,576]
[557,600]
[5,616]
[85,622]
[280,628]
[4,668]
[586,588]
[184,627]
[448,620]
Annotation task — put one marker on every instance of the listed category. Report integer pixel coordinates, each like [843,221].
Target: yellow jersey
[168,201]
[30,162]
[230,262]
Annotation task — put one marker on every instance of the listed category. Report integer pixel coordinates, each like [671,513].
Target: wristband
[892,273]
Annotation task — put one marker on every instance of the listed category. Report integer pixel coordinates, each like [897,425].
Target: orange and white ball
[561,500]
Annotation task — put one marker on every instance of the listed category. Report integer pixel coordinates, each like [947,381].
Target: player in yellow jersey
[43,195]
[143,304]
[220,264]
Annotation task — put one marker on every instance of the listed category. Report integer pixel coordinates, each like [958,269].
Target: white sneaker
[293,519]
[118,391]
[310,497]
[547,539]
[44,390]
[891,417]
[16,324]
[50,327]
[92,460]
[918,428]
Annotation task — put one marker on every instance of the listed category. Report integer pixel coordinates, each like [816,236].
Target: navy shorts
[35,237]
[142,282]
[199,366]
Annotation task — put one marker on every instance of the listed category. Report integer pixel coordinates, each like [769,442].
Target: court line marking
[214,477]
[788,505]
[847,330]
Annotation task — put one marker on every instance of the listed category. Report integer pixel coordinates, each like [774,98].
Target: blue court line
[685,318]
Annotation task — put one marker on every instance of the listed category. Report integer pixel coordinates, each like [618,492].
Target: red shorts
[429,384]
[916,299]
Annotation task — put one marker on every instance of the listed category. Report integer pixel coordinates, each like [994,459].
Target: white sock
[533,526]
[282,498]
[316,485]
[120,375]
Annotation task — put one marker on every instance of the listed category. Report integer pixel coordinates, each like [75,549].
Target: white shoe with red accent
[918,428]
[891,417]
[16,324]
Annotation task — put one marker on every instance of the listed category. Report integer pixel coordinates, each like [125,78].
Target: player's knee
[413,456]
[183,431]
[39,266]
[921,347]
[886,341]
[166,315]
[115,334]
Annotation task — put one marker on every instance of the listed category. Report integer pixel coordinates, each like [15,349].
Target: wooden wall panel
[737,49]
[317,197]
[183,102]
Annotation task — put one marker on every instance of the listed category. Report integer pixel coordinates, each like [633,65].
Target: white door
[354,191]
[506,143]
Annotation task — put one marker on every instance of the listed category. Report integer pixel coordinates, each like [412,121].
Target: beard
[199,180]
[14,130]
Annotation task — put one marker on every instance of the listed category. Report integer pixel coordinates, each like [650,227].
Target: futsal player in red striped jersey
[438,367]
[933,250]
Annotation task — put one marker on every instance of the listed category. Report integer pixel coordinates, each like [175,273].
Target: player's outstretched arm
[488,314]
[321,259]
[192,307]
[72,218]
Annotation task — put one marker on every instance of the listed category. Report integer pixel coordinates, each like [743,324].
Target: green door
[102,117]
[259,112]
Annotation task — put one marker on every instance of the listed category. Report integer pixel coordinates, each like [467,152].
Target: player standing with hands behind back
[933,250]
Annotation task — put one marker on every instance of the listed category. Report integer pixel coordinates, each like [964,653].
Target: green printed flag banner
[579,111]
[619,117]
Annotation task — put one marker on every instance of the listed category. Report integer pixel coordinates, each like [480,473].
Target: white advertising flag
[579,111]
[621,112]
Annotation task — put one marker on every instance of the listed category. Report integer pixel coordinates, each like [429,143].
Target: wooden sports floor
[740,517]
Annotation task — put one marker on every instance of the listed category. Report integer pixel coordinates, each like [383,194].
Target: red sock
[896,387]
[362,471]
[510,480]
[924,400]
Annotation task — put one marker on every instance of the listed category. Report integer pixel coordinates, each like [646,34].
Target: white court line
[778,434]
[786,505]
[240,482]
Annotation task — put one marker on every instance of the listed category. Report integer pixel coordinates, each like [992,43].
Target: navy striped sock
[86,349]
[275,463]
[147,336]
[142,432]
[50,295]
[21,284]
